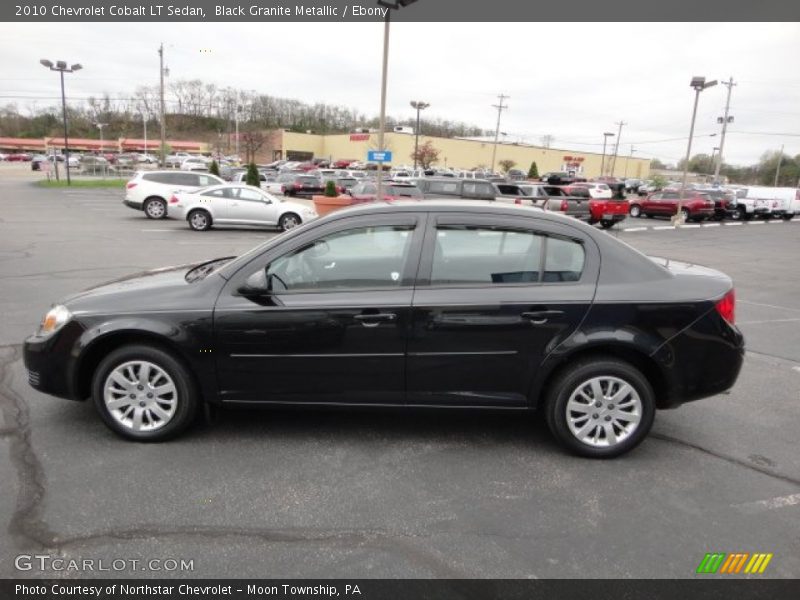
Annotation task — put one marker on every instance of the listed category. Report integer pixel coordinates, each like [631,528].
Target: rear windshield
[309,181]
[404,190]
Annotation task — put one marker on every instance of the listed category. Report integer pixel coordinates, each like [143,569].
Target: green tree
[533,172]
[657,164]
[253,177]
[330,189]
[768,165]
[214,168]
[659,182]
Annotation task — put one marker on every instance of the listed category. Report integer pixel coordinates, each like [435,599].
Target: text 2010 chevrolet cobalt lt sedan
[435,304]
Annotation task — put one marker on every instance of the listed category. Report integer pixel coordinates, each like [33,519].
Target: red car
[696,206]
[19,157]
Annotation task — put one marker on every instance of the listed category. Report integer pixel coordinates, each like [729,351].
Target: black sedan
[433,304]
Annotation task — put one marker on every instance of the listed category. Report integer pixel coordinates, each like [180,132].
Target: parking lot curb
[701,226]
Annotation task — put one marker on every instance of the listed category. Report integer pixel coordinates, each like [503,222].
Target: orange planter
[326,204]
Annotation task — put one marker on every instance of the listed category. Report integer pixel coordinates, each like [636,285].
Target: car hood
[165,288]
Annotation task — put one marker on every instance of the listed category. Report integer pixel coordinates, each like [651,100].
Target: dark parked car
[303,186]
[367,191]
[411,304]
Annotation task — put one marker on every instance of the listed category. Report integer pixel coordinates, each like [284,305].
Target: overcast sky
[571,80]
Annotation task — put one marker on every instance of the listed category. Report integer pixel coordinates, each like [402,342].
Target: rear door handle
[539,317]
[374,319]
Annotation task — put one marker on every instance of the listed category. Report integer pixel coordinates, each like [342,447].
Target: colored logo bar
[734,563]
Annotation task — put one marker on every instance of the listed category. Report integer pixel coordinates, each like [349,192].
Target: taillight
[517,200]
[727,307]
[173,200]
[130,185]
[564,206]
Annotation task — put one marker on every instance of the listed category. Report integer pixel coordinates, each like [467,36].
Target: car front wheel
[155,208]
[600,407]
[143,393]
[635,210]
[289,221]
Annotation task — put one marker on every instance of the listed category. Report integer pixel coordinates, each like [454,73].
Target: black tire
[199,220]
[788,217]
[685,214]
[571,378]
[289,221]
[155,208]
[606,223]
[635,211]
[744,214]
[186,395]
[650,216]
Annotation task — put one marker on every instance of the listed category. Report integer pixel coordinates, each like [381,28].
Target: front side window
[247,194]
[365,257]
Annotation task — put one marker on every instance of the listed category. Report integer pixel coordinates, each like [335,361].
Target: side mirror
[255,285]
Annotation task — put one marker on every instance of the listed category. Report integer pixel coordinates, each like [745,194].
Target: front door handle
[374,319]
[540,317]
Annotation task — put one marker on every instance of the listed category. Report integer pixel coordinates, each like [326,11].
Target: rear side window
[466,255]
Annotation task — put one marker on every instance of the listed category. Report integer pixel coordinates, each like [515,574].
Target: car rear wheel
[600,407]
[199,220]
[143,393]
[155,208]
[606,223]
[788,217]
[635,210]
[289,221]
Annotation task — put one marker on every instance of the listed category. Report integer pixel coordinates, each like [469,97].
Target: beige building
[454,153]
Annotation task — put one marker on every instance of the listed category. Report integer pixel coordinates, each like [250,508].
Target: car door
[650,205]
[333,326]
[249,206]
[494,296]
[668,205]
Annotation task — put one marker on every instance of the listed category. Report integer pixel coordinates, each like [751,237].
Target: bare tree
[252,141]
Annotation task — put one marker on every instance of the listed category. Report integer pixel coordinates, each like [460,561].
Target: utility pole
[162,151]
[630,158]
[144,122]
[500,107]
[725,120]
[616,147]
[606,135]
[238,108]
[778,168]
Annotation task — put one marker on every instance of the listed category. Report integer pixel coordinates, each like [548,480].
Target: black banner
[417,589]
[415,10]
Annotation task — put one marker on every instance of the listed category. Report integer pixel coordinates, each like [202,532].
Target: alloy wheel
[155,209]
[603,411]
[140,395]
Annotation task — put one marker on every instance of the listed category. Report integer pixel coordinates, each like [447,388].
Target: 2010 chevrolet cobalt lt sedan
[431,304]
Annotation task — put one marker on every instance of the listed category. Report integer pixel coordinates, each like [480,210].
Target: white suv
[150,190]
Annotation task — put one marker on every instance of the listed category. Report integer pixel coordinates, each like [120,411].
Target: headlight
[55,319]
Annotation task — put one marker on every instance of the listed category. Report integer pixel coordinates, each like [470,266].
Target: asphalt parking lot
[365,494]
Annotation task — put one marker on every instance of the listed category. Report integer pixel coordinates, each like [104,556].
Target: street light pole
[500,108]
[699,84]
[144,122]
[778,168]
[725,120]
[616,147]
[419,106]
[61,67]
[100,127]
[606,135]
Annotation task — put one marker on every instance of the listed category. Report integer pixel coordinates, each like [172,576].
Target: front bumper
[49,362]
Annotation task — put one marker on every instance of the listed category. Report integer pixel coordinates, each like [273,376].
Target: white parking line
[711,224]
[732,224]
[690,226]
[768,321]
[756,222]
[770,305]
[155,230]
[635,229]
[796,369]
[661,227]
[771,504]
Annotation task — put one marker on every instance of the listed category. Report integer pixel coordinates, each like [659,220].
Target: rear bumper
[702,360]
[132,204]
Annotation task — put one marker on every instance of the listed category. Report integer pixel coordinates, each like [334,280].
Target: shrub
[214,168]
[253,177]
[330,189]
[533,172]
